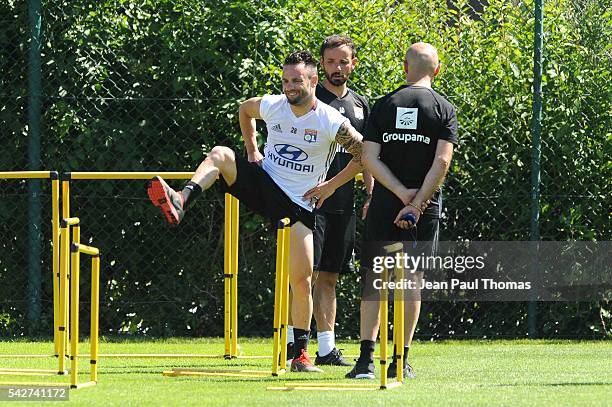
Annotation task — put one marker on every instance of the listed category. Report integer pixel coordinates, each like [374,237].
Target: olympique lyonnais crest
[310,136]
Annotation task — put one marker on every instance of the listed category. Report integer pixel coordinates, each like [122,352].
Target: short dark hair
[300,57]
[335,41]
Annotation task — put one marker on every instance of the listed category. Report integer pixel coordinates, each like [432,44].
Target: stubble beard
[336,80]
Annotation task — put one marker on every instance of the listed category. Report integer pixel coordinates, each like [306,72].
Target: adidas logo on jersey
[277,128]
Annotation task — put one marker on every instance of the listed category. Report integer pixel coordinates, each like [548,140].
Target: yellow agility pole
[285,300]
[95,316]
[235,223]
[64,296]
[278,365]
[76,249]
[65,255]
[128,175]
[230,266]
[398,326]
[227,276]
[74,304]
[281,309]
[384,330]
[55,202]
[26,174]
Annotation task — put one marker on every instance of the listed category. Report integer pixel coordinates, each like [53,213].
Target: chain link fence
[152,86]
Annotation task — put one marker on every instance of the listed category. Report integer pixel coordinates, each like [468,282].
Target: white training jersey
[299,150]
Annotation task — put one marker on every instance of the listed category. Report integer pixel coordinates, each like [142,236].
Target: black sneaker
[408,372]
[362,370]
[333,358]
[168,200]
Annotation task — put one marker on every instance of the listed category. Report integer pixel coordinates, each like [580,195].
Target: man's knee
[300,287]
[326,281]
[220,155]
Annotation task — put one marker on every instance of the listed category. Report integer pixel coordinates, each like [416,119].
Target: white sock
[325,342]
[290,338]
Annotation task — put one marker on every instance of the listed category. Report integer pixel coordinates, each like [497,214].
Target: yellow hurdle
[281,315]
[398,341]
[55,196]
[76,249]
[230,260]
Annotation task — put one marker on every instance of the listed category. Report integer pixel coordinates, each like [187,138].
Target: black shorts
[334,240]
[380,226]
[421,240]
[256,189]
[380,230]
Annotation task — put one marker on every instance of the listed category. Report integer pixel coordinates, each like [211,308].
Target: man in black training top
[334,233]
[408,146]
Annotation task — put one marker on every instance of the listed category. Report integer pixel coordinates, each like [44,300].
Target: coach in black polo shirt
[408,147]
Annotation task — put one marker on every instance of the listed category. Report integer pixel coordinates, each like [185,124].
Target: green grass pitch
[448,373]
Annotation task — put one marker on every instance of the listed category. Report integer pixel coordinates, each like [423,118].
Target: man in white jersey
[283,182]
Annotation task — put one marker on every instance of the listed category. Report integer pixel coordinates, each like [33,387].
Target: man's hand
[255,157]
[319,194]
[408,195]
[404,224]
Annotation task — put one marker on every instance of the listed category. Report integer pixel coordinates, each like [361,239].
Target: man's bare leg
[221,160]
[324,300]
[300,275]
[412,309]
[300,279]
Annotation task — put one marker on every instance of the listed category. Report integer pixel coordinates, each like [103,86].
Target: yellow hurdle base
[334,387]
[169,356]
[219,373]
[31,372]
[82,385]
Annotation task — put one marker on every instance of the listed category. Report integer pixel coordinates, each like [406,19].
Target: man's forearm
[383,174]
[434,178]
[248,129]
[368,181]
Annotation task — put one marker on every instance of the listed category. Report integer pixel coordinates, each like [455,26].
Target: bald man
[408,145]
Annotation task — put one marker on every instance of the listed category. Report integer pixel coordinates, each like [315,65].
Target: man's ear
[314,79]
[437,70]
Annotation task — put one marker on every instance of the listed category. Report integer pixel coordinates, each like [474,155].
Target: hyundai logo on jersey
[290,152]
[290,157]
